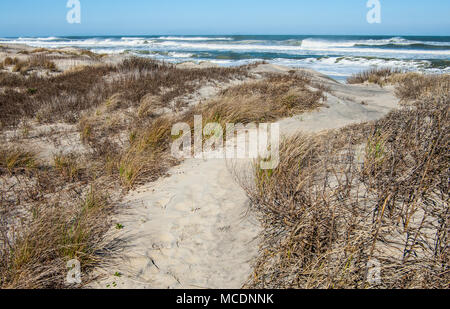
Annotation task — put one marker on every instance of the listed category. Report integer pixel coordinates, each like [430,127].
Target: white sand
[190,230]
[346,105]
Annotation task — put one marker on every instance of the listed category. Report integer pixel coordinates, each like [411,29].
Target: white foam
[182,44]
[180,55]
[181,38]
[352,58]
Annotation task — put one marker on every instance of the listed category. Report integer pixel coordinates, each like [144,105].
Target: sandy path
[191,229]
[344,107]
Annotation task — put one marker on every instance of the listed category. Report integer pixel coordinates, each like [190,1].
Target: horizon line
[225,34]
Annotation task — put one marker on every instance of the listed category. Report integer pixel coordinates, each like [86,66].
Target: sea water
[335,56]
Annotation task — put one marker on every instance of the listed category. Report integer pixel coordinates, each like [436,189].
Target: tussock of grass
[369,192]
[33,63]
[21,67]
[147,157]
[41,50]
[65,96]
[149,106]
[16,159]
[263,101]
[35,256]
[9,61]
[68,166]
[116,101]
[376,76]
[61,219]
[90,54]
[42,62]
[413,86]
[86,130]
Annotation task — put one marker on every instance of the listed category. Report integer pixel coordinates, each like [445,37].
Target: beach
[335,56]
[195,228]
[101,139]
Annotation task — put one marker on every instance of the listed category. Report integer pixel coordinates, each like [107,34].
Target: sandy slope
[190,230]
[346,104]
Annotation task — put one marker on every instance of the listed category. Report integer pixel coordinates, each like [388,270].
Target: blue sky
[139,17]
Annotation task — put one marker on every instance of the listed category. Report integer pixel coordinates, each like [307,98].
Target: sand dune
[192,229]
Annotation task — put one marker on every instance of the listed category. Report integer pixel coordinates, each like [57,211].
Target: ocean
[335,56]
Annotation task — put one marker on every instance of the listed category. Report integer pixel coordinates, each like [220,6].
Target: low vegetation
[411,86]
[336,202]
[36,252]
[33,63]
[275,97]
[362,207]
[378,76]
[53,211]
[48,216]
[16,159]
[64,96]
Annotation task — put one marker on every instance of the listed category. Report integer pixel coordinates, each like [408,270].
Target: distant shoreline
[336,56]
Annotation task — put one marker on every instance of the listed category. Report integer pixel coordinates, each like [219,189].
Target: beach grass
[369,194]
[327,210]
[375,75]
[53,211]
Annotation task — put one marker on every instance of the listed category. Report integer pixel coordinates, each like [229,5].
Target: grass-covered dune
[372,197]
[76,138]
[78,131]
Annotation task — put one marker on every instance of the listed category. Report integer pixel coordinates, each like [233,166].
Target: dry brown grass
[13,159]
[141,77]
[53,213]
[370,192]
[60,97]
[147,158]
[34,62]
[275,97]
[409,86]
[63,214]
[9,61]
[412,86]
[65,96]
[376,75]
[49,214]
[68,166]
[149,106]
[35,252]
